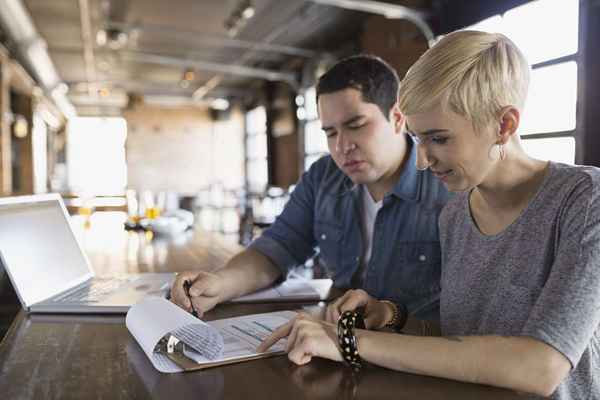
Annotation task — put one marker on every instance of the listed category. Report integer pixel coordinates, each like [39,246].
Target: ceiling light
[220,104]
[101,38]
[189,75]
[248,11]
[114,39]
[301,113]
[20,127]
[238,17]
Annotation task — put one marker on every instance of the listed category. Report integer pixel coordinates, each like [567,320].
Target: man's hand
[308,337]
[205,291]
[377,313]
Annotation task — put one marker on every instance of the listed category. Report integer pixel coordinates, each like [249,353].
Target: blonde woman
[520,299]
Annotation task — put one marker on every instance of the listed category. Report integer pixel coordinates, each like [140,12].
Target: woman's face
[450,147]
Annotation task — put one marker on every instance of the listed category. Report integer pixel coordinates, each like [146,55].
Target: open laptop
[47,266]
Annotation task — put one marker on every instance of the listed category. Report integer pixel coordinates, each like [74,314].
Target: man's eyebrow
[347,122]
[427,132]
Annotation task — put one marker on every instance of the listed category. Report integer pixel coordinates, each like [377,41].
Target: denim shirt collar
[409,184]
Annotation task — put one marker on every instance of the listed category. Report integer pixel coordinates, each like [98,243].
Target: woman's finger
[300,354]
[292,336]
[358,298]
[279,333]
[333,310]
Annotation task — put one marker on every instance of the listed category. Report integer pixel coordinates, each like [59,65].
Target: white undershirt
[369,211]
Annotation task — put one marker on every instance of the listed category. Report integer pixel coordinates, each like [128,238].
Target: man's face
[451,148]
[364,144]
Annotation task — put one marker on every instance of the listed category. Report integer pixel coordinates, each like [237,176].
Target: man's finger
[279,333]
[203,304]
[204,285]
[178,294]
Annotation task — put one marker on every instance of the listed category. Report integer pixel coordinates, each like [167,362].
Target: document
[295,289]
[158,325]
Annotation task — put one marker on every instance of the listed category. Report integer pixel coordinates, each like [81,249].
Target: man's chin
[359,178]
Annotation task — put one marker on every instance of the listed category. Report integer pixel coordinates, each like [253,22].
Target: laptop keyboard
[93,292]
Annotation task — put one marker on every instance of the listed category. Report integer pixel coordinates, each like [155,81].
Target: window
[544,29]
[257,170]
[551,47]
[315,140]
[96,156]
[552,99]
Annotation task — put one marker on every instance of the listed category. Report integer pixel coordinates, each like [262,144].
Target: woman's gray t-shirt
[540,277]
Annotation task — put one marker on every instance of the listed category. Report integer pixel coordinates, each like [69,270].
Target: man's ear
[397,118]
[510,117]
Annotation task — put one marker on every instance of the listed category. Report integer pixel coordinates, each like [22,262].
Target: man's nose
[343,145]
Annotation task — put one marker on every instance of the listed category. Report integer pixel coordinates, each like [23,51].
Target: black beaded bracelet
[347,339]
[399,318]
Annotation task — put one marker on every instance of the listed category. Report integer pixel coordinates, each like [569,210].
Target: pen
[186,288]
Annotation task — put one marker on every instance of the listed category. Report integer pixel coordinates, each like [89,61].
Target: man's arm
[287,242]
[246,272]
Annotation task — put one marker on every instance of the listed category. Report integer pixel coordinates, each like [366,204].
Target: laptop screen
[39,251]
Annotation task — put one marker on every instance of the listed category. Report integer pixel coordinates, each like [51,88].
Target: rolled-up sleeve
[290,240]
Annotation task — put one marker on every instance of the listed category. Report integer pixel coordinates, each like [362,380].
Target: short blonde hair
[474,74]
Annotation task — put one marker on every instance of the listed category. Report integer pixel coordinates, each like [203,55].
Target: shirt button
[323,236]
[422,257]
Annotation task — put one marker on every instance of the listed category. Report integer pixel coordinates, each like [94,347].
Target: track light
[238,18]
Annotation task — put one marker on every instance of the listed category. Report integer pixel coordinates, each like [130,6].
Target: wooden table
[95,357]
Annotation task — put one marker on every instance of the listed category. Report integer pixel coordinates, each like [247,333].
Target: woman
[520,300]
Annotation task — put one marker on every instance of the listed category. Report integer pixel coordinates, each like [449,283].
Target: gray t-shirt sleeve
[567,312]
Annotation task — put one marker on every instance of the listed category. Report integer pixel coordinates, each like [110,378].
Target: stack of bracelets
[350,320]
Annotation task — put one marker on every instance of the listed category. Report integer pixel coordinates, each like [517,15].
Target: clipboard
[175,341]
[175,352]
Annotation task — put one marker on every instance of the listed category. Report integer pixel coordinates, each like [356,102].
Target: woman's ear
[510,117]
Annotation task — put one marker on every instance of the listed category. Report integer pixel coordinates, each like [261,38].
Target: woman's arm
[518,363]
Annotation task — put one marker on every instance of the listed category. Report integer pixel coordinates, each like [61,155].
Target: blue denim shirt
[324,212]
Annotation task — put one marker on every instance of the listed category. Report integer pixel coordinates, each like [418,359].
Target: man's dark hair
[375,79]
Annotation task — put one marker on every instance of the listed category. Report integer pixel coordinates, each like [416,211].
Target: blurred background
[166,117]
[209,106]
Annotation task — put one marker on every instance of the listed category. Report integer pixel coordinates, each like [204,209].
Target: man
[370,212]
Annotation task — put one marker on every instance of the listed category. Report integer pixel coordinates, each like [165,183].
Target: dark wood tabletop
[95,357]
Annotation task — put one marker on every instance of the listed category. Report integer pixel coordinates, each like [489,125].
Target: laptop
[48,269]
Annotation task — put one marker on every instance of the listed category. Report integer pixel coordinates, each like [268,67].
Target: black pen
[186,288]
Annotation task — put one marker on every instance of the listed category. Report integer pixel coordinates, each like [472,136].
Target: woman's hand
[376,314]
[308,337]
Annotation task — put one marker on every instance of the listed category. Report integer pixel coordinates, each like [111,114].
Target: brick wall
[182,150]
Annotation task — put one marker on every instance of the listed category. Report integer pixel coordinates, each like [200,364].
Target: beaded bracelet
[347,339]
[399,318]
